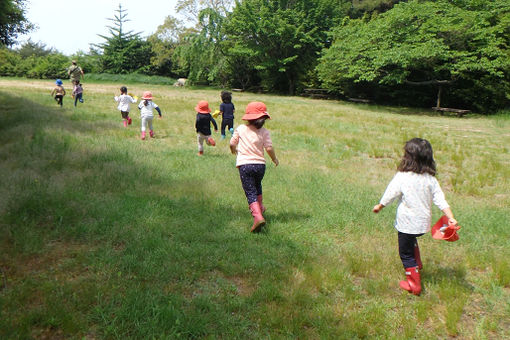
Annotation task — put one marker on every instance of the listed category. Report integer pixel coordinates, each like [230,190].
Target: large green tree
[461,43]
[13,21]
[280,39]
[124,51]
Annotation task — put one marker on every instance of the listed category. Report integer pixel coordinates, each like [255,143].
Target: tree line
[387,51]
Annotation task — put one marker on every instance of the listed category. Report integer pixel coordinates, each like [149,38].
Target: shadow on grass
[151,260]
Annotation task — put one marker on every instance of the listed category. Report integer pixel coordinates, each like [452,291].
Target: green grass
[132,78]
[105,236]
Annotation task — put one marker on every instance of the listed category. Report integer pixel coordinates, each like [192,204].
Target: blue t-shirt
[228,110]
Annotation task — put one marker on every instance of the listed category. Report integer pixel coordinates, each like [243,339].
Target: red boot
[417,256]
[151,133]
[129,120]
[211,141]
[259,199]
[125,123]
[258,219]
[142,137]
[413,283]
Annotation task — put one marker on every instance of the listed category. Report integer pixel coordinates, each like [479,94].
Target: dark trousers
[406,244]
[251,180]
[226,122]
[78,97]
[60,99]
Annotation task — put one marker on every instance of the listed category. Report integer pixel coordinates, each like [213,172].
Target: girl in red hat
[203,126]
[416,188]
[146,107]
[248,143]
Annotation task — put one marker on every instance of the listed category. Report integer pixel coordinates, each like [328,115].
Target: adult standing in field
[75,73]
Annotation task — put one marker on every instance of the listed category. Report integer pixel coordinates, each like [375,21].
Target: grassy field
[105,236]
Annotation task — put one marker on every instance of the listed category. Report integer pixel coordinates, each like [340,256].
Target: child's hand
[377,208]
[276,162]
[452,221]
[159,117]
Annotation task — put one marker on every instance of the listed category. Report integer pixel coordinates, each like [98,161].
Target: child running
[125,101]
[59,92]
[227,110]
[203,126]
[146,106]
[249,142]
[416,188]
[77,92]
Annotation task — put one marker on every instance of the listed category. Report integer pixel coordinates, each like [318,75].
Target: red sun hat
[442,230]
[203,107]
[147,95]
[255,110]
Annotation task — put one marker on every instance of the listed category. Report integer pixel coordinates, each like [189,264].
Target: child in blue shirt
[227,110]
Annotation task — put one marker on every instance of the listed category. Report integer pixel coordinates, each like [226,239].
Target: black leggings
[406,243]
[59,98]
[226,122]
[251,179]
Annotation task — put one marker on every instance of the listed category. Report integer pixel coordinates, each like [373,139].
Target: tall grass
[105,236]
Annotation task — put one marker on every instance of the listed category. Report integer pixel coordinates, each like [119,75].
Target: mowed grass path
[105,236]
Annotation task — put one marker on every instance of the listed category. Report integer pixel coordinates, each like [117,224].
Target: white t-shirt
[415,193]
[251,143]
[124,101]
[146,111]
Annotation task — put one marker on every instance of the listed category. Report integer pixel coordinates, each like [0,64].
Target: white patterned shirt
[415,194]
[124,101]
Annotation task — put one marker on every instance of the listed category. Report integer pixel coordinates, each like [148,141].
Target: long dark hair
[226,97]
[258,123]
[418,157]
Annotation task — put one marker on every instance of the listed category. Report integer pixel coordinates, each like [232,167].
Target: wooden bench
[316,93]
[459,112]
[359,100]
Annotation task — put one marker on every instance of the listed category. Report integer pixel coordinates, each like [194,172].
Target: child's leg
[80,97]
[230,125]
[124,117]
[75,99]
[251,175]
[200,141]
[151,130]
[209,140]
[223,125]
[406,244]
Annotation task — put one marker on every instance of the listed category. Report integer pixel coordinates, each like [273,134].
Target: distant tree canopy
[13,21]
[403,52]
[463,43]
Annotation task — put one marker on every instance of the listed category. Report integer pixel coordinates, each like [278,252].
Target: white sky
[70,25]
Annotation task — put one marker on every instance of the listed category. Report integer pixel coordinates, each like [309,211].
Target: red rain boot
[259,199]
[200,153]
[258,219]
[129,120]
[125,123]
[413,283]
[143,135]
[211,141]
[417,256]
[151,133]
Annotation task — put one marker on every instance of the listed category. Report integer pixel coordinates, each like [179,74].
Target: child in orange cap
[416,188]
[146,106]
[248,143]
[203,126]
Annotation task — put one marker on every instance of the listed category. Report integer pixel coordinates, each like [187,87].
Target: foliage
[198,54]
[37,49]
[123,51]
[48,65]
[13,21]
[163,43]
[464,42]
[191,8]
[131,78]
[281,39]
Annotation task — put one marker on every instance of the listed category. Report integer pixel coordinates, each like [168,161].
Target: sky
[70,26]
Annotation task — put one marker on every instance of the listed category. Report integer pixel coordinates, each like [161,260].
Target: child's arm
[448,213]
[159,111]
[272,154]
[391,193]
[214,123]
[63,91]
[53,91]
[377,208]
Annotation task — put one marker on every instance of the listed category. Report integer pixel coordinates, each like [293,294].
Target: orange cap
[255,110]
[203,107]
